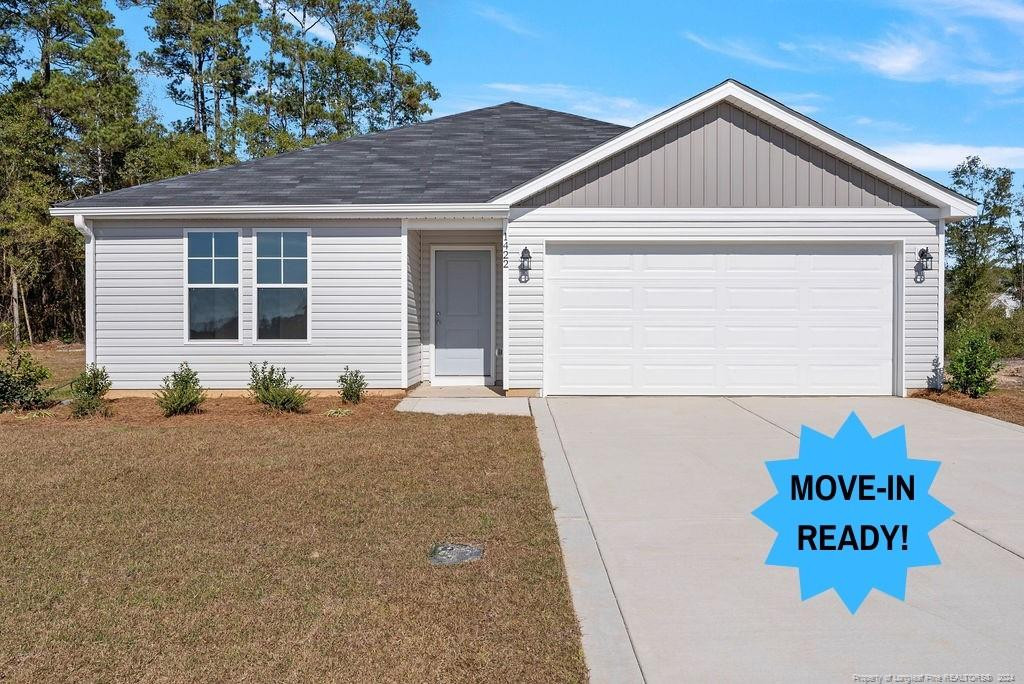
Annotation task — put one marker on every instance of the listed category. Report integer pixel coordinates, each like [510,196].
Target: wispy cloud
[505,20]
[880,124]
[738,49]
[914,57]
[944,156]
[313,27]
[1006,11]
[622,110]
[806,103]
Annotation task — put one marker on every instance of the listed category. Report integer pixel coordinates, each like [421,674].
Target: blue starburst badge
[852,512]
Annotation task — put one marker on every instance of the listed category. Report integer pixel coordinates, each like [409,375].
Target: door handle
[437,317]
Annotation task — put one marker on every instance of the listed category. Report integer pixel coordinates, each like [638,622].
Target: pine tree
[973,244]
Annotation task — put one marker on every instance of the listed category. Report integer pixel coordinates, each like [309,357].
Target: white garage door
[718,319]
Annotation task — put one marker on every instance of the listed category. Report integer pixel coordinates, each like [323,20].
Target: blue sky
[924,81]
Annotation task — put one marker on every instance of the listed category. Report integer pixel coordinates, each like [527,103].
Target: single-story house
[729,245]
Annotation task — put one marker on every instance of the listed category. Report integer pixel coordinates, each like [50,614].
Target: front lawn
[245,546]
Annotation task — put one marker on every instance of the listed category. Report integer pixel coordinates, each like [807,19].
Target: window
[212,277]
[282,288]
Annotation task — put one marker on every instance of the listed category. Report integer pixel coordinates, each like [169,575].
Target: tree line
[985,258]
[253,78]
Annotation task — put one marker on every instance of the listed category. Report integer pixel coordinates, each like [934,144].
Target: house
[728,245]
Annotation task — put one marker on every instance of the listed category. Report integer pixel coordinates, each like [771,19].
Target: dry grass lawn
[1004,404]
[244,546]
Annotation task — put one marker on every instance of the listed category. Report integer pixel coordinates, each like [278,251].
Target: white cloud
[621,110]
[805,103]
[738,49]
[880,124]
[316,28]
[1007,11]
[913,57]
[505,20]
[944,156]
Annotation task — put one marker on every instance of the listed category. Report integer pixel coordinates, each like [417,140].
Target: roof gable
[796,139]
[722,156]
[462,158]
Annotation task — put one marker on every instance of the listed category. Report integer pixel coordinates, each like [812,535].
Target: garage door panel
[761,298]
[680,298]
[761,337]
[847,299]
[719,319]
[668,338]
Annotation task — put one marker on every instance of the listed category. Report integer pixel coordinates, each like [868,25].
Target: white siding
[922,301]
[415,355]
[355,306]
[429,238]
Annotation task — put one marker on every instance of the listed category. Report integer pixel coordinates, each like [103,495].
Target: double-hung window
[212,283]
[282,285]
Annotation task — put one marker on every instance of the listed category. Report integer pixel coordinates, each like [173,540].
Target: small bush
[83,407]
[352,385]
[181,392]
[973,363]
[87,391]
[20,380]
[272,387]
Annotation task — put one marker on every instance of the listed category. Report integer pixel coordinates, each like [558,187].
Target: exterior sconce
[525,263]
[524,259]
[925,257]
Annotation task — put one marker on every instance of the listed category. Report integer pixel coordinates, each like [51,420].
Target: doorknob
[437,317]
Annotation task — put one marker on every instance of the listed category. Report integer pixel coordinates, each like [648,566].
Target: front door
[462,313]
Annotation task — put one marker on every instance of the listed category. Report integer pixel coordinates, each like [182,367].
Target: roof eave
[319,211]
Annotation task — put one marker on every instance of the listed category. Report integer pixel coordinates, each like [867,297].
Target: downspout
[83,226]
[941,369]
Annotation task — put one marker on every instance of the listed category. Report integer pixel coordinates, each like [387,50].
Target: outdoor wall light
[524,265]
[925,257]
[525,259]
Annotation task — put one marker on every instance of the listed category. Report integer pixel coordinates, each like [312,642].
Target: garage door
[718,319]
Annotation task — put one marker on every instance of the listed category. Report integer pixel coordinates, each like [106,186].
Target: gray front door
[462,312]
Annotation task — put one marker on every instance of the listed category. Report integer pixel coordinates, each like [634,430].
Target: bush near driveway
[973,363]
[241,545]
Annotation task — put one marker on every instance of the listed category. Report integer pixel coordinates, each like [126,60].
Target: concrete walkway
[666,564]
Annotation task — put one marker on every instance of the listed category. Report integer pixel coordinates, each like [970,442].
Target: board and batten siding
[356,300]
[921,305]
[722,156]
[438,238]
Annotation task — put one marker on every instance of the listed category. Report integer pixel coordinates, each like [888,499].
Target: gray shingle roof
[469,157]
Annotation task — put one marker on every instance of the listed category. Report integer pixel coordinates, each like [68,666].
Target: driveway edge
[607,647]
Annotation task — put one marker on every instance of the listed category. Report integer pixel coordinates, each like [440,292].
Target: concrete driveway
[667,486]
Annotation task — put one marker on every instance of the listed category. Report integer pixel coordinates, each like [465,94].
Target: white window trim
[460,380]
[308,286]
[184,250]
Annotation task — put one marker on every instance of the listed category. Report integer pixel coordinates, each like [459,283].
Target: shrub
[352,385]
[272,387]
[20,379]
[87,391]
[973,363]
[181,392]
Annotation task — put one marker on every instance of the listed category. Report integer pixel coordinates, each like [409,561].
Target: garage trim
[897,247]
